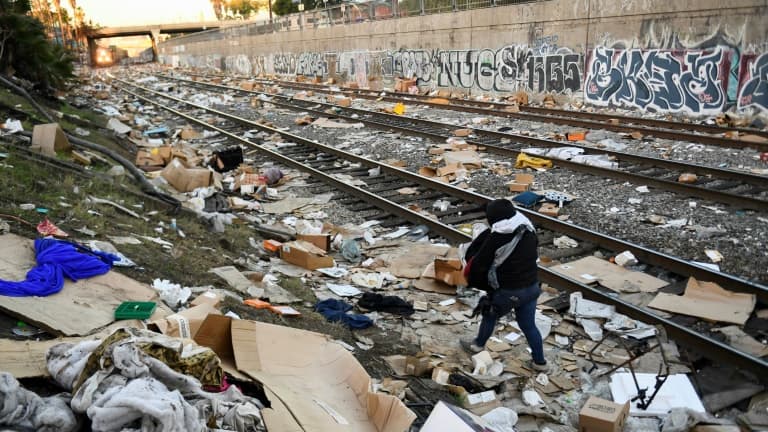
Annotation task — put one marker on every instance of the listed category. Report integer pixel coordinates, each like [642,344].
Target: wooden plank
[80,307]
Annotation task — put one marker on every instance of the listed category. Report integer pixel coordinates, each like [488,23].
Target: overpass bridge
[153,31]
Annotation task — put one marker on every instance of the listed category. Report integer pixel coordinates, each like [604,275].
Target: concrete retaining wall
[679,56]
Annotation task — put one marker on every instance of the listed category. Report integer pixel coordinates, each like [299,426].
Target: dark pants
[523,301]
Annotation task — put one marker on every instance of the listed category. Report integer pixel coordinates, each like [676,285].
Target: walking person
[502,262]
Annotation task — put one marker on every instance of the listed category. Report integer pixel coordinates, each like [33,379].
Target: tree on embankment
[26,50]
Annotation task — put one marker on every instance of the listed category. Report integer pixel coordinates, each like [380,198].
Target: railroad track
[323,163]
[736,188]
[651,127]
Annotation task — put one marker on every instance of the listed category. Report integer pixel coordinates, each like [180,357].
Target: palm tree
[26,52]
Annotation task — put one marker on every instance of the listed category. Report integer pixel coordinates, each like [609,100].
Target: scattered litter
[709,301]
[713,255]
[676,392]
[343,290]
[172,294]
[565,242]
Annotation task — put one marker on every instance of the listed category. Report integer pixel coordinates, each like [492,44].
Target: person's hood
[508,226]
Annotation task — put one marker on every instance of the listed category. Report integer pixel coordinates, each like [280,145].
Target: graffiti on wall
[508,69]
[692,82]
[754,91]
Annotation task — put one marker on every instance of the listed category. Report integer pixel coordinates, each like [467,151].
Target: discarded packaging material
[343,290]
[186,323]
[677,392]
[687,178]
[299,368]
[600,415]
[709,301]
[714,255]
[625,258]
[565,242]
[592,269]
[521,183]
[305,254]
[48,139]
[445,417]
[186,179]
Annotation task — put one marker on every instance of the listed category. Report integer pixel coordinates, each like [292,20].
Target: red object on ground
[47,228]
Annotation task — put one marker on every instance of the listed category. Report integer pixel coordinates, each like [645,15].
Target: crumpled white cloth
[140,392]
[21,408]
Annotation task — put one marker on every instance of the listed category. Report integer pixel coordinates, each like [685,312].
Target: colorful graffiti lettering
[511,68]
[693,82]
[754,92]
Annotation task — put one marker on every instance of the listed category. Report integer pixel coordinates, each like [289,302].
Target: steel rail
[736,200]
[706,346]
[644,254]
[650,127]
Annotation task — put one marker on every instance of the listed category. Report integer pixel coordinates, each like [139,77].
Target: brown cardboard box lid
[313,383]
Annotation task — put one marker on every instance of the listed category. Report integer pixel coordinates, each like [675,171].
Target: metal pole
[455,5]
[421,7]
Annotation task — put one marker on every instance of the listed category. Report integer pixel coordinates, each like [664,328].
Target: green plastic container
[135,310]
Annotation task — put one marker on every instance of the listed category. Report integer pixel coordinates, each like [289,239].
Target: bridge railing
[349,13]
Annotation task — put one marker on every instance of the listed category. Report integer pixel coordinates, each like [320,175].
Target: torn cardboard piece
[313,383]
[709,301]
[48,139]
[591,269]
[185,179]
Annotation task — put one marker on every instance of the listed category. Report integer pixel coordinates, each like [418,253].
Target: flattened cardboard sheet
[313,383]
[80,307]
[616,278]
[709,301]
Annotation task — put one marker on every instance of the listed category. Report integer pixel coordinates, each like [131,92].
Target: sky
[110,13]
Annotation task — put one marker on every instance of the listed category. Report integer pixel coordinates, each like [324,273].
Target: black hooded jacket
[517,271]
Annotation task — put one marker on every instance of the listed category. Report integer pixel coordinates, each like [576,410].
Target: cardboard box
[450,271]
[247,85]
[153,157]
[417,366]
[272,245]
[305,254]
[402,85]
[549,209]
[186,323]
[521,183]
[186,179]
[312,383]
[323,241]
[344,102]
[477,403]
[600,415]
[48,139]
